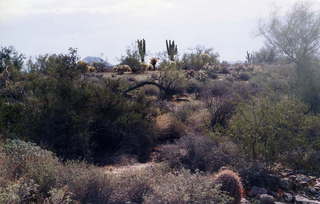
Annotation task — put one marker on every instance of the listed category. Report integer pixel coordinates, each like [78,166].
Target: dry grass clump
[150,90]
[196,152]
[184,187]
[185,111]
[37,176]
[169,128]
[22,159]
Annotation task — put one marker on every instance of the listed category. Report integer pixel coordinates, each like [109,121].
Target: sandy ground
[129,168]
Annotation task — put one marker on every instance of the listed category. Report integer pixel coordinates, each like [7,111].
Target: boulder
[286,184]
[244,201]
[303,200]
[288,197]
[255,191]
[266,199]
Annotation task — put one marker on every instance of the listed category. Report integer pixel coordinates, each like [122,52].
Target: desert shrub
[101,67]
[215,89]
[231,184]
[86,183]
[221,110]
[132,59]
[257,174]
[224,70]
[221,98]
[197,152]
[168,128]
[76,116]
[10,58]
[133,63]
[185,187]
[244,76]
[220,101]
[193,86]
[151,91]
[266,55]
[172,79]
[274,80]
[22,191]
[306,83]
[132,185]
[201,75]
[59,195]
[198,58]
[212,75]
[269,129]
[184,112]
[30,161]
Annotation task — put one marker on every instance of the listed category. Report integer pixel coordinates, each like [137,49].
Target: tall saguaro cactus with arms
[172,49]
[142,49]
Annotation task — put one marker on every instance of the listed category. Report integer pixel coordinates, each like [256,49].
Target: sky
[105,28]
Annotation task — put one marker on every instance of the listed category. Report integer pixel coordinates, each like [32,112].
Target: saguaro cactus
[249,58]
[172,49]
[142,49]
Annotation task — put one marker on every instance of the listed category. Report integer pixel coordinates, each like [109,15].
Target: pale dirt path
[129,168]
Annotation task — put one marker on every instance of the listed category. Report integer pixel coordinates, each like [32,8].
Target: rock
[303,200]
[286,184]
[257,191]
[288,197]
[302,179]
[313,191]
[244,201]
[317,185]
[266,199]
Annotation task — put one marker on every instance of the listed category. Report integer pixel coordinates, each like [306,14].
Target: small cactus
[142,49]
[172,49]
[230,183]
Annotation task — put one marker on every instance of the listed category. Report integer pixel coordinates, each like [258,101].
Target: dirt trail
[128,168]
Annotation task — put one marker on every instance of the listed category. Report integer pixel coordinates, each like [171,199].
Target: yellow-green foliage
[199,58]
[172,78]
[272,129]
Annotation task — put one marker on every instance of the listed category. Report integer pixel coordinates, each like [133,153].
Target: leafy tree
[10,58]
[297,35]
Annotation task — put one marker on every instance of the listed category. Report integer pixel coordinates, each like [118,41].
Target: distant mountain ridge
[90,60]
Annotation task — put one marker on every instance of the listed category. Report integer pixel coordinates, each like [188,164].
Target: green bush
[11,59]
[75,115]
[132,59]
[199,58]
[172,79]
[272,130]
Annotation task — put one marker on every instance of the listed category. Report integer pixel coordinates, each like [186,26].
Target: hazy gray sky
[108,26]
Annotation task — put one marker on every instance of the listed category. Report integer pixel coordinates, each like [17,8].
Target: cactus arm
[142,49]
